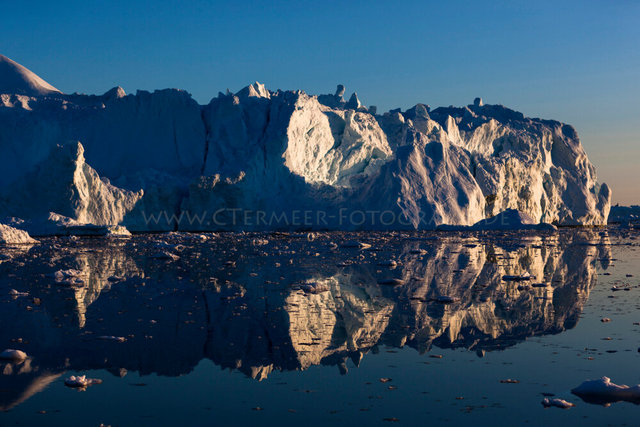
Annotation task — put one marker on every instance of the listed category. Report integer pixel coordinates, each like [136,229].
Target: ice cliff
[260,159]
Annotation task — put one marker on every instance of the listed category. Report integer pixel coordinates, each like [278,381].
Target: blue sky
[574,61]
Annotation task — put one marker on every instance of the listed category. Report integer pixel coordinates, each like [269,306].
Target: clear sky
[574,61]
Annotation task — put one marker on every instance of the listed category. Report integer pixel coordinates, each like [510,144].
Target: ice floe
[14,355]
[602,391]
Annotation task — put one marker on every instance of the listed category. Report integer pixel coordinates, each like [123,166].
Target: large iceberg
[260,159]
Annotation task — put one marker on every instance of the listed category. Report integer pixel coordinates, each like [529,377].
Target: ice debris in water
[81,381]
[68,277]
[558,403]
[11,354]
[603,391]
[356,245]
[314,288]
[165,255]
[391,282]
[518,278]
[390,263]
[445,299]
[112,338]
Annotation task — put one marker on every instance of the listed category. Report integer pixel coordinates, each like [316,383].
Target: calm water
[260,329]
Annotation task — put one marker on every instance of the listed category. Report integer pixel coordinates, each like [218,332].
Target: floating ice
[602,391]
[13,236]
[314,288]
[518,278]
[112,338]
[445,299]
[391,282]
[81,381]
[390,263]
[165,255]
[355,245]
[558,403]
[69,277]
[510,219]
[11,354]
[15,293]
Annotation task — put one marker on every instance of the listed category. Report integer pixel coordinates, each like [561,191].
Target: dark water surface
[284,329]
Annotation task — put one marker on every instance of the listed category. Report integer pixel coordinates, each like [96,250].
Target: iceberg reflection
[263,302]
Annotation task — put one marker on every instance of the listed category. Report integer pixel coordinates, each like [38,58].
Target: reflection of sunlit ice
[97,271]
[347,318]
[489,312]
[21,380]
[280,306]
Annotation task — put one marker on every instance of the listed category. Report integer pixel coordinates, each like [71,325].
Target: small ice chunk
[390,263]
[391,282]
[11,354]
[68,277]
[558,403]
[118,231]
[112,338]
[165,255]
[355,244]
[518,278]
[81,381]
[314,288]
[445,299]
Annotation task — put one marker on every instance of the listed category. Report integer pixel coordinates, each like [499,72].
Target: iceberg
[627,215]
[283,160]
[14,236]
[510,219]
